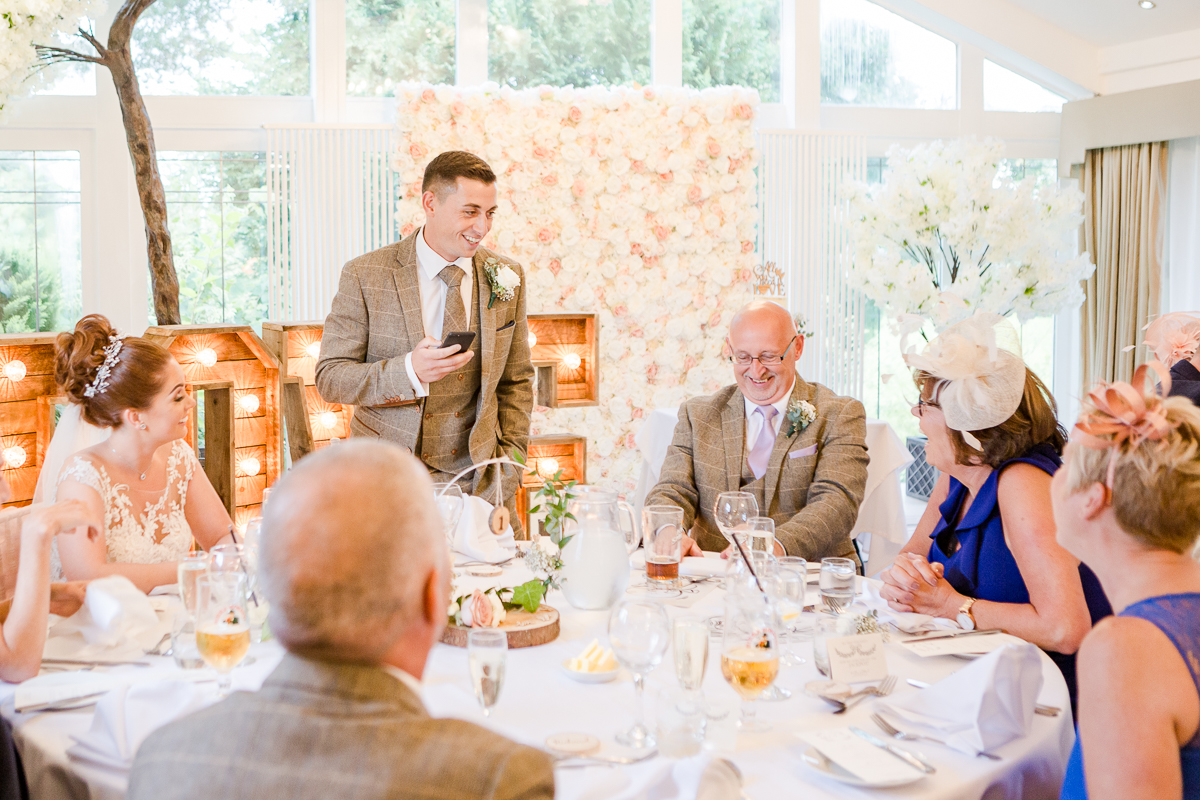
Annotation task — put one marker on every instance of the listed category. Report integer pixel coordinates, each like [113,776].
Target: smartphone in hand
[464,340]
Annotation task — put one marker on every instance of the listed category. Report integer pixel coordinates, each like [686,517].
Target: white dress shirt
[754,420]
[433,298]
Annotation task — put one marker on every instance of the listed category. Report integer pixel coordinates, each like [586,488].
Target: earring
[142,426]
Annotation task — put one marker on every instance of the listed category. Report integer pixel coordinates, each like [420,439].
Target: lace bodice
[160,532]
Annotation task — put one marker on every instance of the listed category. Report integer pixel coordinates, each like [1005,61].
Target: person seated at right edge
[984,552]
[1175,341]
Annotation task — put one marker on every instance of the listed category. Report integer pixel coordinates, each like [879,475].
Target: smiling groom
[381,349]
[796,446]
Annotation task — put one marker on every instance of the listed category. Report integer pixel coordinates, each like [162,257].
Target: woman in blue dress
[984,552]
[1127,502]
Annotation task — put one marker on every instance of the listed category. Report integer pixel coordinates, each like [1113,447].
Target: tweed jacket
[322,731]
[814,481]
[376,321]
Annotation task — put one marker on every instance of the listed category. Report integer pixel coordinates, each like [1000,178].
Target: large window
[732,43]
[232,47]
[560,43]
[872,57]
[40,255]
[1005,90]
[389,41]
[217,207]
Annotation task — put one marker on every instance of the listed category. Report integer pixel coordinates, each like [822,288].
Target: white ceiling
[1110,22]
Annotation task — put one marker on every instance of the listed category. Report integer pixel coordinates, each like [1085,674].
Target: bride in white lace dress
[144,480]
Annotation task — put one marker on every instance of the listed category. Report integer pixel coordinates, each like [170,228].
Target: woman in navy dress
[1175,341]
[984,552]
[1127,502]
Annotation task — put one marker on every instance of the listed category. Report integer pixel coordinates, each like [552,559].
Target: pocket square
[506,327]
[811,450]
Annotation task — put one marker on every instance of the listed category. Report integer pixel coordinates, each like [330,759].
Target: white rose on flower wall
[637,204]
[938,224]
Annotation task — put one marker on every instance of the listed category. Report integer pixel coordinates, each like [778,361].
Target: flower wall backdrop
[637,204]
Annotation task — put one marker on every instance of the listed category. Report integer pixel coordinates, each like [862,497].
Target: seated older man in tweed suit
[756,436]
[358,594]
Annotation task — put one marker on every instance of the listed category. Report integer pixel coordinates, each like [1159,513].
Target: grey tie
[455,318]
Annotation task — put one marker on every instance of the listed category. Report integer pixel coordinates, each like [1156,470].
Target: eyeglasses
[922,404]
[766,359]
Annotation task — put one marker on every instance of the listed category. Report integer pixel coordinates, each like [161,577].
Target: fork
[896,733]
[885,687]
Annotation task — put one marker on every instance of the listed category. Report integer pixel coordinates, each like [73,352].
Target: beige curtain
[1124,217]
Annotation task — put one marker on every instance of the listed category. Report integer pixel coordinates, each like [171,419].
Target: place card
[860,758]
[950,645]
[854,659]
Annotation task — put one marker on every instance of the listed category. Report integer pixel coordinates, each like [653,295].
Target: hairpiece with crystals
[112,353]
[1124,414]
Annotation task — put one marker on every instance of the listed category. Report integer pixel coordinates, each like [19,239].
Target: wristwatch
[965,618]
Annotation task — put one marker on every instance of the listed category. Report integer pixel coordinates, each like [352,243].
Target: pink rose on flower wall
[713,148]
[458,108]
[662,232]
[637,413]
[481,610]
[694,193]
[407,229]
[638,166]
[651,262]
[637,332]
[550,180]
[743,111]
[417,150]
[575,115]
[555,266]
[428,96]
[689,363]
[578,189]
[630,441]
[715,320]
[666,177]
[541,152]
[698,300]
[635,249]
[545,236]
[744,274]
[747,247]
[620,310]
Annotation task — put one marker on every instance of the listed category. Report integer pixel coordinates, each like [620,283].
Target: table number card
[854,659]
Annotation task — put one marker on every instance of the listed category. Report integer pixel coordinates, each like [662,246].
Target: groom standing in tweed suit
[381,350]
[808,477]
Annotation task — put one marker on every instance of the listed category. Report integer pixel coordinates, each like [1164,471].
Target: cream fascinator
[978,362]
[1174,337]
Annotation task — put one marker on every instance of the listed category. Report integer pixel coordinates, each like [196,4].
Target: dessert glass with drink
[487,653]
[222,629]
[837,583]
[639,632]
[749,650]
[662,534]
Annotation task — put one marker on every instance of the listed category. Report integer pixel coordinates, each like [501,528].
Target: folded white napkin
[474,539]
[116,621]
[703,567]
[983,706]
[700,777]
[128,714]
[904,620]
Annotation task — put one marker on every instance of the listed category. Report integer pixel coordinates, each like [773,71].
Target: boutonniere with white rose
[503,279]
[800,414]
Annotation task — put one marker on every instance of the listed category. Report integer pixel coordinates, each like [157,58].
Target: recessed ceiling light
[1146,4]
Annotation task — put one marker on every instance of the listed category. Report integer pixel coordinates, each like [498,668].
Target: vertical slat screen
[802,229]
[331,196]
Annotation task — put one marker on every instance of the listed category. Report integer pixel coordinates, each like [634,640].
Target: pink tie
[761,454]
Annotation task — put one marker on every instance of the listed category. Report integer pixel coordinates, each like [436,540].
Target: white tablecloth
[880,524]
[538,699]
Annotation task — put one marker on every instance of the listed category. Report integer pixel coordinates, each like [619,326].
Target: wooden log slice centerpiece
[522,628]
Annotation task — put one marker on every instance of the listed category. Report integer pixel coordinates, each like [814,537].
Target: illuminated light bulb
[532,339]
[248,403]
[249,466]
[546,467]
[327,420]
[1146,4]
[14,457]
[314,349]
[14,370]
[207,357]
[572,361]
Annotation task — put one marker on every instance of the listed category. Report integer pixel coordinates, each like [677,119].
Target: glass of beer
[662,536]
[222,629]
[749,651]
[487,652]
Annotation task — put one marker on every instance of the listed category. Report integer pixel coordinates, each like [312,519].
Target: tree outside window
[390,41]
[732,43]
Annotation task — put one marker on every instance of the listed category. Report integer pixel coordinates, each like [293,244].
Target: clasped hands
[431,363]
[913,584]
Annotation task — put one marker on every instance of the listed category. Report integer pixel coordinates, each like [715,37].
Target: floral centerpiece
[941,239]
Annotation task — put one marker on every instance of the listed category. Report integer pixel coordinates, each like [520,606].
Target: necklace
[141,476]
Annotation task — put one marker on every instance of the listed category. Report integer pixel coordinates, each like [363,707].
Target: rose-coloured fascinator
[979,362]
[1174,337]
[1124,414]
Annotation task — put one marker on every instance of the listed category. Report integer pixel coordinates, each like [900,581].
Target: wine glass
[222,630]
[733,510]
[227,558]
[749,651]
[487,652]
[258,607]
[639,632]
[689,646]
[450,504]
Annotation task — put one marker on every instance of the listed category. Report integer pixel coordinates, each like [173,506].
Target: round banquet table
[539,699]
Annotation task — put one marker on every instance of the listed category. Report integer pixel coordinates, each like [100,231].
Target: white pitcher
[595,569]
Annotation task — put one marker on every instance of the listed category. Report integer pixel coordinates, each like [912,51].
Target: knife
[898,752]
[953,635]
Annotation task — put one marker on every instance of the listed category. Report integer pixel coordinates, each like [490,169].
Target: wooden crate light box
[28,395]
[547,455]
[297,345]
[565,349]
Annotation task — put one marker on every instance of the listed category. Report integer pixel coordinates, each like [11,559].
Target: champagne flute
[639,632]
[222,631]
[190,569]
[689,646]
[749,651]
[487,652]
[733,510]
